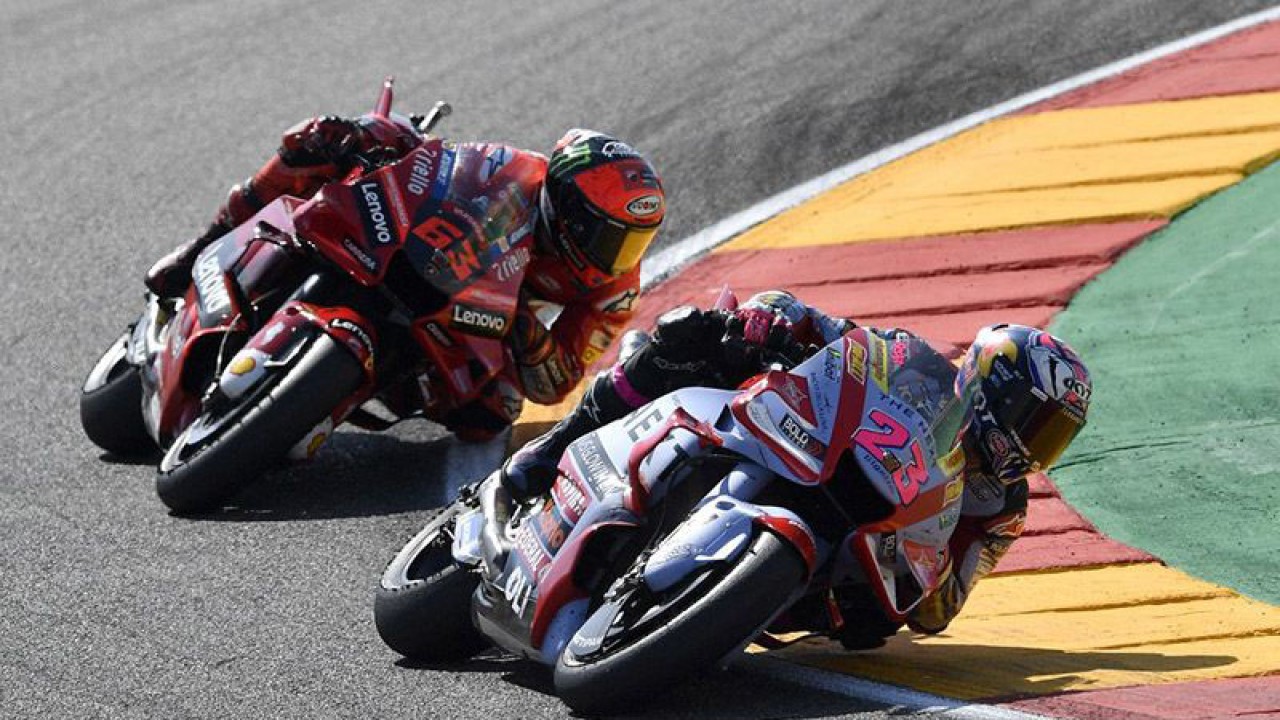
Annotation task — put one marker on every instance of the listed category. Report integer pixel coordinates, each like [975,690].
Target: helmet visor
[609,245]
[1044,428]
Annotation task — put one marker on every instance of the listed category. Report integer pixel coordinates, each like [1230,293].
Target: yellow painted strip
[1122,625]
[829,223]
[1097,164]
[1086,165]
[1083,589]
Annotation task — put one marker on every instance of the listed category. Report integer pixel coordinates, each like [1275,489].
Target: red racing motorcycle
[301,317]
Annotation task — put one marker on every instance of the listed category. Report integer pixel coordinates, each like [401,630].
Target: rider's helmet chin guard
[600,206]
[1029,394]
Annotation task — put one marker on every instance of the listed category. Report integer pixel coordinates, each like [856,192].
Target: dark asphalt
[124,122]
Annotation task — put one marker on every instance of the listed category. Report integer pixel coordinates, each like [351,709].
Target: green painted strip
[1182,453]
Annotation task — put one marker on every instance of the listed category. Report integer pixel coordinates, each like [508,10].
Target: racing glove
[321,141]
[756,337]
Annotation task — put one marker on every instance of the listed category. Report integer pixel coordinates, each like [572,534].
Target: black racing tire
[697,630]
[260,430]
[111,404]
[422,608]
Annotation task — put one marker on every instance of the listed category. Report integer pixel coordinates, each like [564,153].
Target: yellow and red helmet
[601,205]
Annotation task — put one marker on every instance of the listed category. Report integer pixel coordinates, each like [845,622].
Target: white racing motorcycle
[674,536]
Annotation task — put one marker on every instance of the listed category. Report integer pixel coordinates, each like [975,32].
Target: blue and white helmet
[1029,394]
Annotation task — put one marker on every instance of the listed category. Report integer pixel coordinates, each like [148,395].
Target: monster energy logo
[571,158]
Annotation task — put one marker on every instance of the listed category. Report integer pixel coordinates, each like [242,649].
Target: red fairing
[255,261]
[795,533]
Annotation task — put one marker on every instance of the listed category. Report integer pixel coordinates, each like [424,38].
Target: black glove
[761,337]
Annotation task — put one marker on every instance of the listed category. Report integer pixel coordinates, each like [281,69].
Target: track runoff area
[1006,215]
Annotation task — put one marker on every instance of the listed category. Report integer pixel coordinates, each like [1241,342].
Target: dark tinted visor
[609,245]
[1043,426]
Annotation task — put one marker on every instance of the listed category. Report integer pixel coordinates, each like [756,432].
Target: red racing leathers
[491,188]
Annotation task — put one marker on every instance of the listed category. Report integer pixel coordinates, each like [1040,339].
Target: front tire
[652,643]
[111,404]
[423,605]
[240,443]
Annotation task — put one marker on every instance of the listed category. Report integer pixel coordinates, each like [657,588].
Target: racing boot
[171,275]
[532,469]
[311,153]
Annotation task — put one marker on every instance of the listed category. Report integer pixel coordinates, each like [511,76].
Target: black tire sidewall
[428,619]
[762,582]
[111,413]
[300,398]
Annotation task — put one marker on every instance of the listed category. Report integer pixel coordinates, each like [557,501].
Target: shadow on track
[737,692]
[363,475]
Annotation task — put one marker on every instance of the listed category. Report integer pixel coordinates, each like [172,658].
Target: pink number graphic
[890,435]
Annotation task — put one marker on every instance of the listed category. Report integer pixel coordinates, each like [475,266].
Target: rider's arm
[551,361]
[976,546]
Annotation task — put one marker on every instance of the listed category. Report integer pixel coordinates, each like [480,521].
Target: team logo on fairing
[477,321]
[375,215]
[211,288]
[438,334]
[361,336]
[794,432]
[800,437]
[365,259]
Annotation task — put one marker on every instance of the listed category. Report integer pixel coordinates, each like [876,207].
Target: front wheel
[640,642]
[423,606]
[111,404]
[221,452]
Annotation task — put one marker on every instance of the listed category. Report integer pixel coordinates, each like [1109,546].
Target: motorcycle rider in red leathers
[594,206]
[1027,391]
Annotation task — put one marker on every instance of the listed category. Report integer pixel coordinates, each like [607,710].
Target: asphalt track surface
[123,124]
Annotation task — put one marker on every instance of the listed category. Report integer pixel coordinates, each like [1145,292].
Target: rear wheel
[423,606]
[111,404]
[639,642]
[223,451]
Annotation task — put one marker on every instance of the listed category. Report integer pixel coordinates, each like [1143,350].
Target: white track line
[672,258]
[880,693]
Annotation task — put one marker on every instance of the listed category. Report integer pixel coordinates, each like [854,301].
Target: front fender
[719,531]
[286,333]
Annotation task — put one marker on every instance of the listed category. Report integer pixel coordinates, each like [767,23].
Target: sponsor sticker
[880,363]
[593,463]
[800,437]
[438,334]
[210,286]
[953,491]
[616,149]
[478,321]
[857,362]
[377,224]
[364,258]
[358,332]
[645,206]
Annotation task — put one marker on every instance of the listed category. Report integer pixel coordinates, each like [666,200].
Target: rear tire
[423,605]
[111,404]
[678,641]
[247,439]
